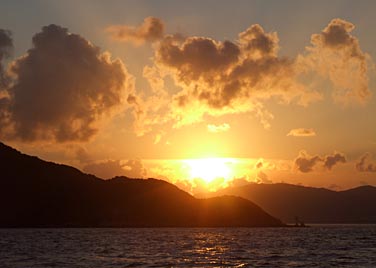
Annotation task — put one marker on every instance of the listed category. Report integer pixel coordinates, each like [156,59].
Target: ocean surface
[317,246]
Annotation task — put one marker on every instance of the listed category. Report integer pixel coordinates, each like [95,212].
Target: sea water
[316,246]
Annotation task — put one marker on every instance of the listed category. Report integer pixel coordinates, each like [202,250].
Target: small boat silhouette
[298,222]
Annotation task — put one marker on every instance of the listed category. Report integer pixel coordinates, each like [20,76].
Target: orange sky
[283,93]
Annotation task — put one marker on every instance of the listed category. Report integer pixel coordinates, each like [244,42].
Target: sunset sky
[204,94]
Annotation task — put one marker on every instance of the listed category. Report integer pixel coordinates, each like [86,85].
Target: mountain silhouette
[313,205]
[36,193]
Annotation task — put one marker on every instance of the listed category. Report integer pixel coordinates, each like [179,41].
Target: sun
[209,169]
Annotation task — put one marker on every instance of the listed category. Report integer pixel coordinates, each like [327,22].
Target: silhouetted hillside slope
[314,205]
[36,193]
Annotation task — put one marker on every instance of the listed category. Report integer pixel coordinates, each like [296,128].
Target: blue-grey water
[317,246]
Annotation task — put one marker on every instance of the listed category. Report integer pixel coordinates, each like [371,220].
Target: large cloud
[336,54]
[197,57]
[62,88]
[225,76]
[364,165]
[152,29]
[306,163]
[213,78]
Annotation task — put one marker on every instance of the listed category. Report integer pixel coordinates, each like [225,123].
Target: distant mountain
[313,205]
[36,193]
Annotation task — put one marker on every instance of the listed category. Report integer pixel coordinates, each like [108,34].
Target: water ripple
[318,246]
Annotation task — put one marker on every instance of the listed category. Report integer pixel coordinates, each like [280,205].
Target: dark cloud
[151,30]
[219,74]
[6,48]
[63,87]
[364,165]
[331,160]
[6,44]
[306,163]
[255,41]
[197,57]
[338,35]
[112,168]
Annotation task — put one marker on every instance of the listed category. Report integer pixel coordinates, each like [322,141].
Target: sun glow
[209,169]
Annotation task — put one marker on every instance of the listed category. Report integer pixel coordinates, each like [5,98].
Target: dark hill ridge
[313,205]
[36,193]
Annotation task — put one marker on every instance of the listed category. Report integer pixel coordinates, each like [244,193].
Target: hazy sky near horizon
[262,91]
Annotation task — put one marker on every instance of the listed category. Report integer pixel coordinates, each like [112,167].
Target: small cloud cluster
[218,128]
[306,163]
[332,160]
[61,89]
[151,30]
[302,132]
[364,165]
[112,168]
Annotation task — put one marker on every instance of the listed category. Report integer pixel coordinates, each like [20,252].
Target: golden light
[209,169]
